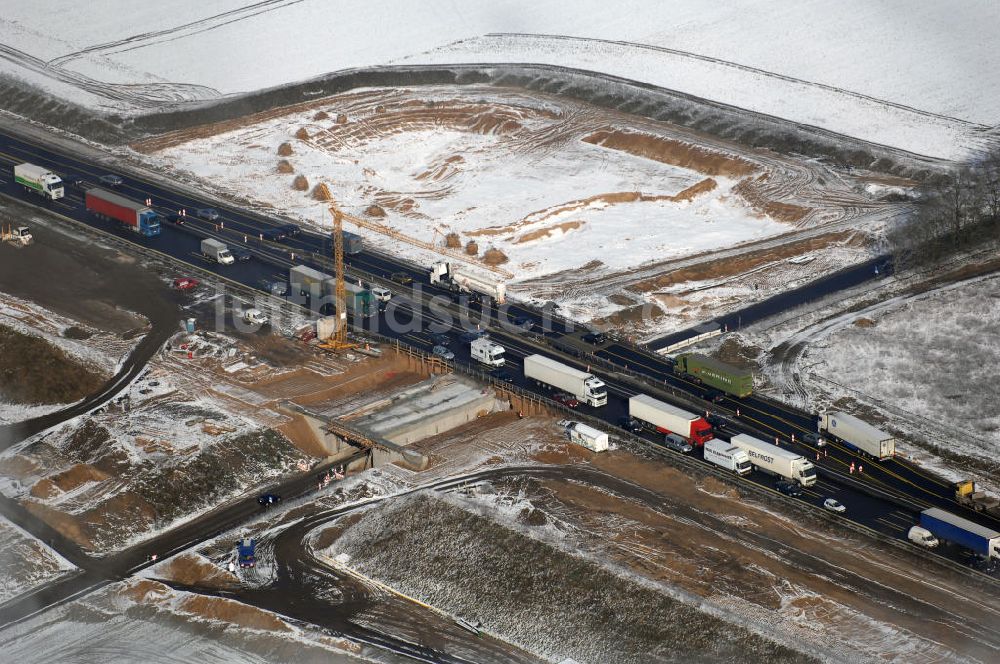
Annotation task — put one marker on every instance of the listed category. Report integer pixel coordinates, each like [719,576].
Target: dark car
[176,219]
[502,375]
[522,322]
[268,499]
[565,399]
[272,234]
[813,438]
[719,421]
[472,335]
[595,338]
[110,180]
[241,255]
[208,214]
[401,278]
[439,338]
[630,424]
[715,396]
[290,230]
[789,488]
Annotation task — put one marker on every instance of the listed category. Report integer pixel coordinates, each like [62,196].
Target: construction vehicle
[246,552]
[710,371]
[980,501]
[16,235]
[39,180]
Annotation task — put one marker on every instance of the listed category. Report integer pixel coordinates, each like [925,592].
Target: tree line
[954,213]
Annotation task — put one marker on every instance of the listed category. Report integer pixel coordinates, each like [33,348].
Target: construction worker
[852,468]
[861,469]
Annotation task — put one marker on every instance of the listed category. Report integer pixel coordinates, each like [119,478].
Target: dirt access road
[70,273]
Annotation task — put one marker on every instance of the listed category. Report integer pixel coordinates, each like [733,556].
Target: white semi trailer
[552,374]
[776,460]
[858,434]
[464,280]
[39,180]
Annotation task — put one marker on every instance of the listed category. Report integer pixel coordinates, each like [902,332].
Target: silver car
[443,353]
[676,443]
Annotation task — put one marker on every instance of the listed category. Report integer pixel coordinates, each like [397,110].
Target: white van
[381,294]
[922,536]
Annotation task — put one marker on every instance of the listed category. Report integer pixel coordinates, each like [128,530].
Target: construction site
[552,197]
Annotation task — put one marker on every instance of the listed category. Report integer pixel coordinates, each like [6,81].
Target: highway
[885,497]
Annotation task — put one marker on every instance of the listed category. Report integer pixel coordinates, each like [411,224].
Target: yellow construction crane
[338,341]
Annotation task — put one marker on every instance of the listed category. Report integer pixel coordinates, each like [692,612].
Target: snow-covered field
[932,356]
[142,621]
[938,58]
[25,562]
[549,208]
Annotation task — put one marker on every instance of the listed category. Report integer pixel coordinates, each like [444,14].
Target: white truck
[593,439]
[217,251]
[550,373]
[461,279]
[858,435]
[486,352]
[39,180]
[20,236]
[728,456]
[255,317]
[667,418]
[776,460]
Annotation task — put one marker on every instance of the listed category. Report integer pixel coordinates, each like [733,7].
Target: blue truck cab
[246,551]
[149,223]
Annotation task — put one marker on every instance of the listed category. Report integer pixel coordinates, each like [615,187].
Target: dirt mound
[321,115]
[341,118]
[494,256]
[695,190]
[453,241]
[864,322]
[472,248]
[285,167]
[788,212]
[672,152]
[193,570]
[227,610]
[540,233]
[321,192]
[76,332]
[34,371]
[138,590]
[532,517]
[64,523]
[374,211]
[285,150]
[300,183]
[302,134]
[67,480]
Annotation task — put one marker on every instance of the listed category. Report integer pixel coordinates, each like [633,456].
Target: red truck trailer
[130,214]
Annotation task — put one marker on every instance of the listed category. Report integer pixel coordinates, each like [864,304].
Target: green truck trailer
[725,377]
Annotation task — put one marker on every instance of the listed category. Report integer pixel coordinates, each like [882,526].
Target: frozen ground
[932,356]
[25,562]
[592,208]
[142,621]
[770,56]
